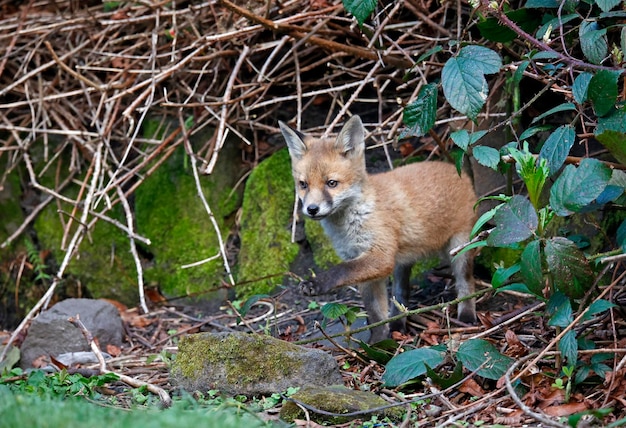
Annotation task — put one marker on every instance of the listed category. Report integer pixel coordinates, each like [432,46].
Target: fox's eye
[303,184]
[332,183]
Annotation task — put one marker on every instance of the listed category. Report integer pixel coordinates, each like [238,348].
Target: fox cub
[380,224]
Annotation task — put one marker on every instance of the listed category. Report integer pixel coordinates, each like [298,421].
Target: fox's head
[328,173]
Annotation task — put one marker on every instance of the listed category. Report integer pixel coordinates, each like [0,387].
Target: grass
[18,409]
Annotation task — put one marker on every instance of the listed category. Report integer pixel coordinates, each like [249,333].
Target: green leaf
[381,352]
[615,121]
[549,26]
[536,4]
[477,353]
[576,188]
[581,86]
[593,41]
[531,270]
[484,219]
[611,132]
[420,115]
[557,147]
[501,275]
[534,130]
[360,9]
[334,310]
[569,347]
[615,142]
[491,28]
[463,80]
[488,61]
[560,310]
[515,222]
[446,381]
[430,52]
[461,138]
[621,236]
[411,364]
[557,109]
[464,86]
[251,302]
[607,5]
[603,91]
[597,307]
[487,156]
[570,269]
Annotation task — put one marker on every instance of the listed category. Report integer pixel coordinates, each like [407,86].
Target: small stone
[51,334]
[339,400]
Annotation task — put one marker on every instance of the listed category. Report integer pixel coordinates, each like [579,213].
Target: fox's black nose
[313,210]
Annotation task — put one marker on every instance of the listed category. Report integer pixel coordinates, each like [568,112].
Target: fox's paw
[310,288]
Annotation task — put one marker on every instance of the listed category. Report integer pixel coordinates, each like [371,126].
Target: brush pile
[81,81]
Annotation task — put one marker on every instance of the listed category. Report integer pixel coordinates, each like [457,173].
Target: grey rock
[51,334]
[240,363]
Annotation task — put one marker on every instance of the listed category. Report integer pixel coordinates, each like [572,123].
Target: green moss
[248,359]
[323,253]
[266,247]
[169,212]
[102,263]
[336,399]
[11,216]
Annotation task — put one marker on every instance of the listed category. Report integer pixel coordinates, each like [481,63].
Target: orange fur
[381,223]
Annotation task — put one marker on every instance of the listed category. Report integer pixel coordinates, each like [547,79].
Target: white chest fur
[348,231]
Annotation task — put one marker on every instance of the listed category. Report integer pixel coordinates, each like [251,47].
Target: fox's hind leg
[374,294]
[401,291]
[463,270]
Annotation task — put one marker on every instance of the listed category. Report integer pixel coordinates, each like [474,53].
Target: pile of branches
[79,80]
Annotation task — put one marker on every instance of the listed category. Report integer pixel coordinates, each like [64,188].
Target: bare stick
[166,400]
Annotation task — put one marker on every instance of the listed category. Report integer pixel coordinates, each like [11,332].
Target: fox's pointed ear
[294,141]
[351,138]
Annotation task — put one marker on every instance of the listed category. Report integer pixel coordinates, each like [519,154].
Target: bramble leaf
[410,364]
[463,80]
[487,156]
[530,264]
[581,86]
[569,267]
[593,41]
[515,221]
[578,187]
[603,91]
[477,353]
[557,147]
[420,115]
[360,9]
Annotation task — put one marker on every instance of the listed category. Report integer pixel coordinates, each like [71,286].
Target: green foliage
[463,78]
[333,310]
[484,358]
[20,409]
[361,9]
[56,385]
[411,364]
[549,263]
[474,355]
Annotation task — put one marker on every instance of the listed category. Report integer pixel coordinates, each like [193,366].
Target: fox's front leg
[371,265]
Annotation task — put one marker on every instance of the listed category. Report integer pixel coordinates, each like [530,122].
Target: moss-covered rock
[240,363]
[323,253]
[266,248]
[169,212]
[340,400]
[102,262]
